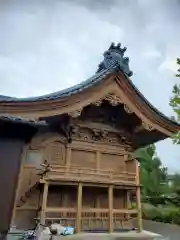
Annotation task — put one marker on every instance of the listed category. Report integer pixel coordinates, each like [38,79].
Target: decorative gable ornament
[114,57]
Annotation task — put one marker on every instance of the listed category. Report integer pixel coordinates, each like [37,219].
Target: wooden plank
[90,210]
[56,209]
[128,211]
[27,208]
[68,160]
[44,203]
[55,167]
[89,179]
[79,208]
[98,158]
[102,184]
[110,198]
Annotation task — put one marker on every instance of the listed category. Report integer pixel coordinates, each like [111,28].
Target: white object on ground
[57,227]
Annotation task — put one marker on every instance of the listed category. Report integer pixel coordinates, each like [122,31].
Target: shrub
[161,214]
[151,213]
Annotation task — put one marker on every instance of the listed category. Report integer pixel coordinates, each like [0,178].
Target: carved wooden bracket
[114,100]
[127,109]
[76,113]
[147,126]
[143,126]
[111,98]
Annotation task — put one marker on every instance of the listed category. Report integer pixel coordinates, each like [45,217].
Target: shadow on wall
[10,158]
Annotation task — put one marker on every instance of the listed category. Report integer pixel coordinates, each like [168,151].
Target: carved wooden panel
[55,153]
[83,159]
[112,162]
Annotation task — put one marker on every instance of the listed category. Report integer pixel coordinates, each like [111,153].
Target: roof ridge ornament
[114,57]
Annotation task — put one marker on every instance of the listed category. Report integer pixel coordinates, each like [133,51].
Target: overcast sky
[49,45]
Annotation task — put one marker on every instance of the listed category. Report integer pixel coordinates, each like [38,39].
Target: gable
[110,84]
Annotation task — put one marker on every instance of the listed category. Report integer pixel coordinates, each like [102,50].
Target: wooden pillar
[79,208]
[44,203]
[110,198]
[138,198]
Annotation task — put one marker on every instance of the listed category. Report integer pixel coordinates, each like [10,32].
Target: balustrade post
[138,198]
[110,198]
[44,203]
[79,208]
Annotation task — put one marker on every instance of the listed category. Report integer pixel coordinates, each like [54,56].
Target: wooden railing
[91,218]
[58,172]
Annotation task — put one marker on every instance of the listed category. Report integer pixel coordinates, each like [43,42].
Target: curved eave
[157,115]
[154,109]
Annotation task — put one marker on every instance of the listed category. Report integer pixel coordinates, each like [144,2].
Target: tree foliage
[175,103]
[153,174]
[161,191]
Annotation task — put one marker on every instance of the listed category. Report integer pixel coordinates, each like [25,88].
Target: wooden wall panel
[34,199]
[103,198]
[119,200]
[83,159]
[112,162]
[55,197]
[89,197]
[62,196]
[131,166]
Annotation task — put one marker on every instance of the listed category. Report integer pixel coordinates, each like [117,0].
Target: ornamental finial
[114,57]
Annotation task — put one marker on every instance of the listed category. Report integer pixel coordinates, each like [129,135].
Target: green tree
[175,103]
[153,175]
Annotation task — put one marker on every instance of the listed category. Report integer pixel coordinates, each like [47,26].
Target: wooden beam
[44,203]
[110,198]
[138,198]
[79,208]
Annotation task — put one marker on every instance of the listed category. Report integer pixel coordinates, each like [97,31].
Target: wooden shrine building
[85,136]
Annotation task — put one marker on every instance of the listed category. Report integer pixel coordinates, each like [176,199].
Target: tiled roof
[20,120]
